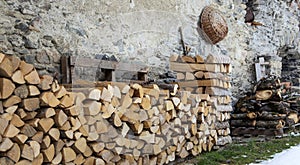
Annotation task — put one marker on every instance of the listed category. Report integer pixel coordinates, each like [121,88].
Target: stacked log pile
[208,76]
[42,122]
[264,112]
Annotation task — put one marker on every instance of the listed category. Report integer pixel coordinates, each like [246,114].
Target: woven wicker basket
[213,24]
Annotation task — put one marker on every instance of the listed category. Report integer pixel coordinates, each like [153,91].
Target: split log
[32,77]
[17,121]
[12,100]
[27,152]
[11,131]
[270,116]
[188,59]
[18,77]
[7,87]
[240,123]
[270,124]
[45,82]
[68,154]
[263,94]
[48,99]
[31,104]
[6,144]
[173,57]
[49,153]
[80,145]
[6,68]
[14,153]
[199,59]
[45,124]
[35,147]
[33,90]
[250,115]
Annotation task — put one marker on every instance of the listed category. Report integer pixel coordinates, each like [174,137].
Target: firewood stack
[42,122]
[263,112]
[208,76]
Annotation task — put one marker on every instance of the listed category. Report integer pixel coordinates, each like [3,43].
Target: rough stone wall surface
[146,31]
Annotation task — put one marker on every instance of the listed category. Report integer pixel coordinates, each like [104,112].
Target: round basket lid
[213,24]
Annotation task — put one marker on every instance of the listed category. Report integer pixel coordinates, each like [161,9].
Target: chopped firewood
[6,144]
[35,147]
[18,77]
[32,77]
[81,145]
[14,153]
[7,87]
[54,133]
[45,82]
[25,67]
[61,92]
[17,121]
[38,160]
[48,99]
[6,68]
[11,131]
[57,159]
[33,90]
[45,124]
[12,100]
[31,104]
[49,153]
[27,152]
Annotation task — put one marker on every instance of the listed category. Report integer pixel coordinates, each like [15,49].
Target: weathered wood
[45,82]
[263,94]
[7,87]
[33,90]
[17,121]
[48,99]
[241,123]
[6,68]
[57,159]
[35,147]
[190,67]
[25,67]
[49,153]
[11,131]
[31,104]
[199,59]
[6,144]
[18,77]
[187,59]
[32,77]
[45,124]
[14,153]
[12,100]
[27,152]
[38,160]
[60,118]
[54,133]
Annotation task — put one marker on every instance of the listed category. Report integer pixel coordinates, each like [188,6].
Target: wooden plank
[189,67]
[204,83]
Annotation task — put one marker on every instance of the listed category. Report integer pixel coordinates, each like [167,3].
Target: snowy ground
[287,157]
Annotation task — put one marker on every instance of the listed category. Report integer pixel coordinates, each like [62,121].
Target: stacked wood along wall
[269,110]
[210,76]
[42,121]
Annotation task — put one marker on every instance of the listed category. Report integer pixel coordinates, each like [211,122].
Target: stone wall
[144,31]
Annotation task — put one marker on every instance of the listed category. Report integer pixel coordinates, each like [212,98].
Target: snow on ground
[287,157]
